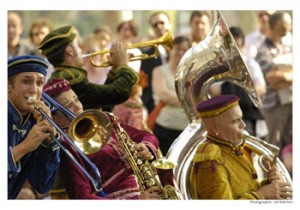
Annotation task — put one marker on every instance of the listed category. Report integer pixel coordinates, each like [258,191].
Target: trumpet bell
[90,131]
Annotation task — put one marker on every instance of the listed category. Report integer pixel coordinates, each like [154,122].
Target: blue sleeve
[13,168]
[44,169]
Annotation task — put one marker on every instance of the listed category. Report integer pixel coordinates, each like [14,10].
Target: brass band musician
[62,50]
[222,167]
[118,181]
[31,154]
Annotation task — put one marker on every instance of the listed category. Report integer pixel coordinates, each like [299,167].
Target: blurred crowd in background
[98,29]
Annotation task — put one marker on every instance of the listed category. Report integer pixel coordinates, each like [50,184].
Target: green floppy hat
[57,39]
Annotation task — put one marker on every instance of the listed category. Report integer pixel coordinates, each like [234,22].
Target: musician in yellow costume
[222,167]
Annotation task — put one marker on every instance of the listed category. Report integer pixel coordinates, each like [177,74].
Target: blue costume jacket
[40,167]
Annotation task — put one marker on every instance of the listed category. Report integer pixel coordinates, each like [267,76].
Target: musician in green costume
[62,50]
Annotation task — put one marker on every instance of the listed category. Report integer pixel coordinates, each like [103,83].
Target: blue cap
[27,63]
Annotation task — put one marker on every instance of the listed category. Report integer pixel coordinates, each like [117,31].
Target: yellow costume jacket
[222,171]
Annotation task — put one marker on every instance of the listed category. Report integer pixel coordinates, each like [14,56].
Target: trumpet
[166,40]
[97,182]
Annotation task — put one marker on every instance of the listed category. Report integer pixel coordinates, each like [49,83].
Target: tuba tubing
[215,59]
[271,156]
[266,152]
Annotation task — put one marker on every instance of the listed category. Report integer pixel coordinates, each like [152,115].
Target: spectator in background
[160,23]
[171,120]
[200,26]
[275,59]
[127,33]
[254,39]
[38,30]
[16,46]
[252,117]
[100,40]
[96,75]
[287,158]
[131,112]
[105,37]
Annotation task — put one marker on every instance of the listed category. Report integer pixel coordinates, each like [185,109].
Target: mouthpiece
[87,55]
[31,99]
[244,134]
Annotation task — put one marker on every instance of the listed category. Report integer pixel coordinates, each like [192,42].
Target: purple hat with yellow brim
[217,105]
[27,63]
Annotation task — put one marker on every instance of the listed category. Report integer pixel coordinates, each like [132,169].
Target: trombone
[54,105]
[166,39]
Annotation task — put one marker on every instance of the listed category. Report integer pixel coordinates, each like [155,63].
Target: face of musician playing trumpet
[227,126]
[73,54]
[22,86]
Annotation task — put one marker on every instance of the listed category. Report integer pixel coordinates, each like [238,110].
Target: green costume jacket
[222,171]
[116,89]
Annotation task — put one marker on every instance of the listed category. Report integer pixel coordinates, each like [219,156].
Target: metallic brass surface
[83,134]
[215,59]
[90,131]
[270,155]
[166,40]
[147,176]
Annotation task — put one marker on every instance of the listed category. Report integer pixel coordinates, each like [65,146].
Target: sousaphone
[215,59]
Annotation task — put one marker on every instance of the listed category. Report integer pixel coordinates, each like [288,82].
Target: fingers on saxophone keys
[139,147]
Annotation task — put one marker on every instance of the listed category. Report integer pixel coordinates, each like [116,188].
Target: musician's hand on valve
[274,173]
[152,193]
[143,151]
[275,190]
[118,55]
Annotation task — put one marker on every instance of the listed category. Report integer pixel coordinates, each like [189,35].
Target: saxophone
[158,173]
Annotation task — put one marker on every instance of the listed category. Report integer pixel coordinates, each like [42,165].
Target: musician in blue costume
[32,154]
